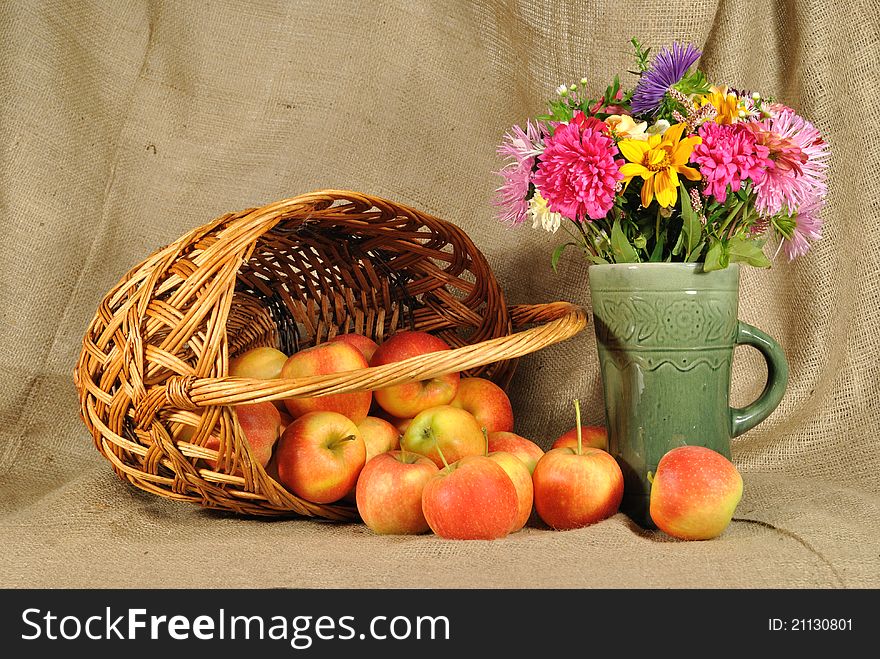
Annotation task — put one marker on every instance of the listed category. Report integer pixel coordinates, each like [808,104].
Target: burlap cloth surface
[125,124]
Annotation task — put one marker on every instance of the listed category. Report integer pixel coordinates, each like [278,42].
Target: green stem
[442,457]
[486,439]
[577,411]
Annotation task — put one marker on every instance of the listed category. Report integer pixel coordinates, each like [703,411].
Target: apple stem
[577,411]
[347,438]
[430,433]
[442,457]
[651,477]
[486,438]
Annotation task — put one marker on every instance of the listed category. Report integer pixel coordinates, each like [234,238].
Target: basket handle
[560,321]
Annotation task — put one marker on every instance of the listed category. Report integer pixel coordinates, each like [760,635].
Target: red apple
[258,363]
[577,486]
[576,489]
[364,344]
[519,474]
[379,436]
[324,359]
[694,493]
[320,455]
[261,425]
[408,399]
[389,492]
[472,499]
[526,450]
[445,434]
[592,437]
[487,402]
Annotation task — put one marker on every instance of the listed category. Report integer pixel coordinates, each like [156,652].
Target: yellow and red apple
[519,474]
[487,402]
[694,493]
[258,363]
[379,436]
[445,434]
[365,345]
[592,437]
[389,492]
[325,359]
[525,449]
[409,398]
[319,456]
[472,499]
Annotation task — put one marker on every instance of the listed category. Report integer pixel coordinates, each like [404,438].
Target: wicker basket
[290,274]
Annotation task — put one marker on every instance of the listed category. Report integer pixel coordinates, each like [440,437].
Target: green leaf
[620,246]
[691,227]
[557,253]
[678,248]
[657,254]
[595,259]
[745,250]
[694,256]
[716,257]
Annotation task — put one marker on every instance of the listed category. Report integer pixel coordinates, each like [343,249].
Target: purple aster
[668,67]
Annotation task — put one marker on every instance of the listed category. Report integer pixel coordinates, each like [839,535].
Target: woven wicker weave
[289,275]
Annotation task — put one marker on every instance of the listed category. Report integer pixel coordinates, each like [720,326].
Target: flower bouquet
[672,170]
[662,187]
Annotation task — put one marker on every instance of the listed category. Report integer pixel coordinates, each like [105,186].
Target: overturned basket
[289,275]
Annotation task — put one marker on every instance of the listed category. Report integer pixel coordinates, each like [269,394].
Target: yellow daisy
[659,161]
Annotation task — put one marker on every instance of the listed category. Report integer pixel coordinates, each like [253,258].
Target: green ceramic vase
[666,334]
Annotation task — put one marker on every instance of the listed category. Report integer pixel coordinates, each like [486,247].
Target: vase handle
[746,418]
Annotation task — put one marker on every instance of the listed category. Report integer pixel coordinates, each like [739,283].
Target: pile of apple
[438,454]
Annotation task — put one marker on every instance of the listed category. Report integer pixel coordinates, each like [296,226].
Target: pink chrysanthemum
[807,229]
[728,155]
[520,148]
[577,173]
[798,162]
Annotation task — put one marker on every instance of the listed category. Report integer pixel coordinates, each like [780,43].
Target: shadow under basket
[152,375]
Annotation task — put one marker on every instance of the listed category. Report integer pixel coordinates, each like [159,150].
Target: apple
[525,449]
[324,359]
[379,436]
[576,486]
[694,493]
[365,345]
[320,455]
[471,499]
[487,402]
[445,434]
[389,492]
[521,478]
[591,436]
[408,399]
[261,425]
[258,363]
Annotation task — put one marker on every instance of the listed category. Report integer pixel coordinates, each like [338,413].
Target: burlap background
[125,124]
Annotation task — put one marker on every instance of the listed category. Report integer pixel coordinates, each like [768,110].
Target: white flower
[562,90]
[658,128]
[542,215]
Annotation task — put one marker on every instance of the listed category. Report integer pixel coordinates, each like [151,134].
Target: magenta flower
[577,172]
[520,148]
[798,162]
[728,155]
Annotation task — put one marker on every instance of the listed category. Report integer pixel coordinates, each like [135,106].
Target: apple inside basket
[168,362]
